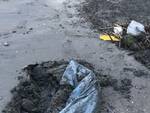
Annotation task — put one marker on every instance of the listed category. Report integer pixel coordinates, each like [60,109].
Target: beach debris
[114,36]
[110,37]
[86,97]
[135,28]
[134,36]
[118,29]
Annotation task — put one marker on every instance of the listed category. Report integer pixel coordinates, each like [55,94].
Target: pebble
[31,29]
[14,31]
[6,44]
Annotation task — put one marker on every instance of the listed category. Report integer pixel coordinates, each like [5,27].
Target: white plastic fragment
[118,30]
[135,28]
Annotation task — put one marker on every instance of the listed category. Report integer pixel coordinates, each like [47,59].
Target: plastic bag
[86,97]
[135,28]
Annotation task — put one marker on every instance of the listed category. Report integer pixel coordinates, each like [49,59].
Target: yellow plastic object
[107,37]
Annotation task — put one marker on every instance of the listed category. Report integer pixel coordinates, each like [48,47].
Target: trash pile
[115,19]
[56,87]
[134,36]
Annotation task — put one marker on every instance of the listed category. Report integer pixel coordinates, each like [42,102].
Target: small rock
[27,105]
[6,44]
[14,31]
[31,29]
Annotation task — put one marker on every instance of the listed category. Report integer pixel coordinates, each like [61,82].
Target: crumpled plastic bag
[86,97]
[135,28]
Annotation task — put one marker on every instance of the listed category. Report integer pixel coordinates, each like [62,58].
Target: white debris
[118,30]
[6,44]
[135,28]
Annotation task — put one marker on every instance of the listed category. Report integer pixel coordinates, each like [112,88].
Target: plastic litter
[112,37]
[86,97]
[118,30]
[135,28]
